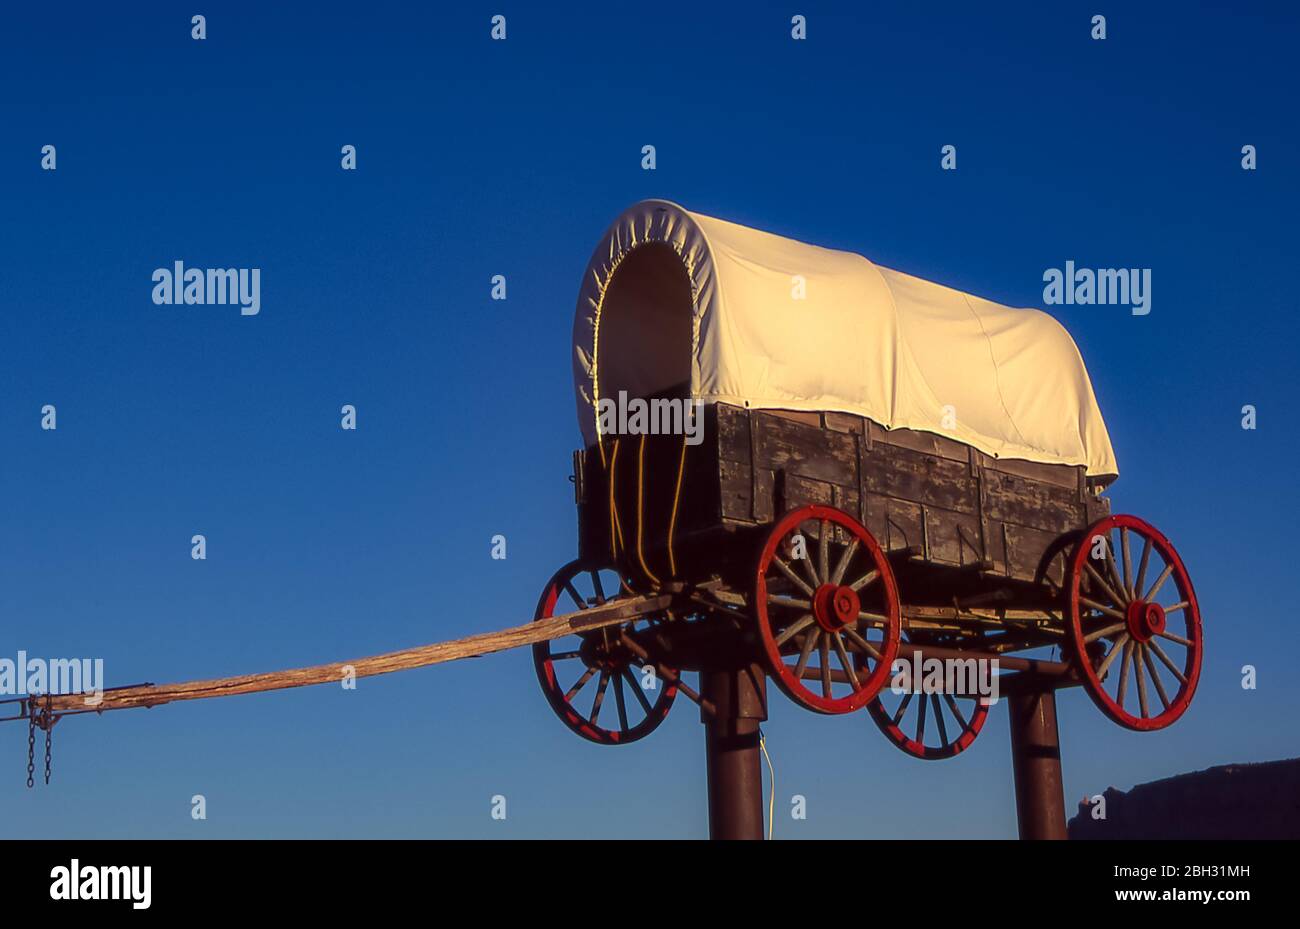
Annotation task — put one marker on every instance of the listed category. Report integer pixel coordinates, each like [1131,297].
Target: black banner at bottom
[338,878]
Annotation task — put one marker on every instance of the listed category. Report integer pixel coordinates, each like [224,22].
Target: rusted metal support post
[1036,760]
[731,750]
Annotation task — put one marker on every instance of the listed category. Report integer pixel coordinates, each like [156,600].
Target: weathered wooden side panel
[948,504]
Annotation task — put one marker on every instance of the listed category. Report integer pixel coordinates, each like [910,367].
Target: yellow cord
[640,473]
[771,802]
[615,530]
[672,520]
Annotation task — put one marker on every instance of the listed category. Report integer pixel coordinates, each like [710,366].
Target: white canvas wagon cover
[676,303]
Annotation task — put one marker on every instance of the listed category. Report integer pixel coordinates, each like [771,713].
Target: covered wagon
[842,463]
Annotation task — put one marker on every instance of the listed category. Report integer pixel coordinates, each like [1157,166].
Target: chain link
[49,733]
[31,745]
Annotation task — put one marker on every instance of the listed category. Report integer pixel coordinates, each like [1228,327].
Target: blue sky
[479,158]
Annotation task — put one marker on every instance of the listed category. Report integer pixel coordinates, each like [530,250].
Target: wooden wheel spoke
[597,586]
[844,661]
[1123,671]
[809,642]
[823,549]
[582,682]
[1112,655]
[1142,566]
[794,629]
[868,578]
[1102,633]
[1141,680]
[793,578]
[1115,614]
[600,696]
[824,654]
[1186,643]
[874,619]
[793,603]
[956,710]
[1128,561]
[1160,582]
[1180,605]
[938,718]
[636,689]
[849,551]
[621,702]
[574,595]
[1101,582]
[1155,678]
[1173,668]
[902,707]
[920,720]
[862,643]
[1113,570]
[564,656]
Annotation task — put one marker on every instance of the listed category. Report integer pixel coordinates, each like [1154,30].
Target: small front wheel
[580,673]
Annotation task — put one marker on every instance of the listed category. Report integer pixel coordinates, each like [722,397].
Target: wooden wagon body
[929,500]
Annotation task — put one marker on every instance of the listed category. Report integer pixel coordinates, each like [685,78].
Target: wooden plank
[952,538]
[732,427]
[804,450]
[906,474]
[797,416]
[613,613]
[1058,474]
[1031,503]
[926,442]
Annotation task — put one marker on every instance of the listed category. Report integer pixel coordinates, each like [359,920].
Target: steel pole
[1036,760]
[735,777]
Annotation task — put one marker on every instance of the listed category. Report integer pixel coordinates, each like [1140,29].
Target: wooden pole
[612,613]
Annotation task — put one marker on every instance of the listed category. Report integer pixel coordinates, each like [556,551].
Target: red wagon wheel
[816,594]
[590,662]
[941,725]
[1122,623]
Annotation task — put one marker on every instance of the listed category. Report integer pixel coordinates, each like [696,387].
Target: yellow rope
[672,520]
[615,530]
[640,487]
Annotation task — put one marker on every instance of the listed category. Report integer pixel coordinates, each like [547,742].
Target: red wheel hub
[835,606]
[1145,620]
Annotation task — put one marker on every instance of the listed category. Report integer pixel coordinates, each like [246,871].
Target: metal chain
[49,734]
[31,745]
